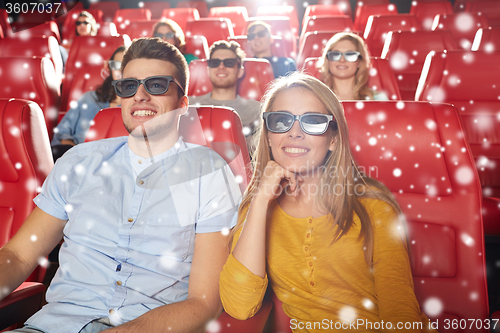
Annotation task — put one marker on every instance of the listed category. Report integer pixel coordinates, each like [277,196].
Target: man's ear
[241,72]
[183,105]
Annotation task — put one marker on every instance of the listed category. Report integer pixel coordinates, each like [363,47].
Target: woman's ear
[333,143]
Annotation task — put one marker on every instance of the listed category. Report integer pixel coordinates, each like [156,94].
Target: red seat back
[280,26]
[4,20]
[426,11]
[344,5]
[181,16]
[49,28]
[250,5]
[198,46]
[487,7]
[285,11]
[139,29]
[213,29]
[406,51]
[378,26]
[325,23]
[88,50]
[32,79]
[25,45]
[156,8]
[258,74]
[216,127]
[200,5]
[278,48]
[123,17]
[382,78]
[330,10]
[463,26]
[487,39]
[26,160]
[363,11]
[108,9]
[237,15]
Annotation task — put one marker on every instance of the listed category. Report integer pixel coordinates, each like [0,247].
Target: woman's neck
[344,88]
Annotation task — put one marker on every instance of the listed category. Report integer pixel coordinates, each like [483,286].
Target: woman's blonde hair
[338,171]
[180,40]
[361,89]
[92,22]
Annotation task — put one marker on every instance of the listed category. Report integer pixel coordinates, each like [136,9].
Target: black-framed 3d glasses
[310,123]
[168,35]
[350,56]
[154,85]
[260,34]
[229,62]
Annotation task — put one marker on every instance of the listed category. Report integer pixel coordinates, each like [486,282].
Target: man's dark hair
[231,45]
[155,48]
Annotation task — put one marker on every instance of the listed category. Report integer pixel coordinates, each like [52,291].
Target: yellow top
[322,284]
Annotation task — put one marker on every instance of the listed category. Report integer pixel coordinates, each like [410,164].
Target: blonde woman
[344,67]
[171,32]
[329,239]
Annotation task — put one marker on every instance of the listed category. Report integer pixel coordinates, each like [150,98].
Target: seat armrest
[21,304]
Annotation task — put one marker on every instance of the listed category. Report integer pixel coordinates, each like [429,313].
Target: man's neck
[224,94]
[150,147]
[267,54]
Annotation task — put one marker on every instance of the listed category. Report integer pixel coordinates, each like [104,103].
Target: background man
[136,227]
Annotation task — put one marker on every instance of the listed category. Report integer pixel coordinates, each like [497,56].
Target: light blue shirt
[129,240]
[76,122]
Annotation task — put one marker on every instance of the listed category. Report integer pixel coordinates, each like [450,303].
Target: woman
[171,32]
[345,66]
[329,254]
[76,122]
[85,24]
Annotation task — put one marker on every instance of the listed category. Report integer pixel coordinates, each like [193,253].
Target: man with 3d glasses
[145,218]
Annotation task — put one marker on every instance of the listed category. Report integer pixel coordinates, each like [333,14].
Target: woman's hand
[275,179]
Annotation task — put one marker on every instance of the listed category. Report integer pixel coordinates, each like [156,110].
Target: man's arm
[39,234]
[203,303]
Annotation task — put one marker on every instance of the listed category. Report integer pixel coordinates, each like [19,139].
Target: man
[260,41]
[225,67]
[139,220]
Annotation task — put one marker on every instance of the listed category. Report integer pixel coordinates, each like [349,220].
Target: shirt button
[308,234]
[310,221]
[141,182]
[119,283]
[310,263]
[312,284]
[139,161]
[130,219]
[306,248]
[111,311]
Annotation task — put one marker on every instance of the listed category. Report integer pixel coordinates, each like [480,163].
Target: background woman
[76,122]
[330,239]
[171,32]
[345,66]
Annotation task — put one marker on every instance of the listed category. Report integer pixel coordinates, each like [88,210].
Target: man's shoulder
[88,150]
[247,102]
[199,99]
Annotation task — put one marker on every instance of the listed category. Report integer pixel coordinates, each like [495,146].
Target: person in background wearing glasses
[225,67]
[144,243]
[171,32]
[260,41]
[76,122]
[345,66]
[85,25]
[330,240]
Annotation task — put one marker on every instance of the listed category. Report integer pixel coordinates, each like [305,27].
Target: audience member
[260,41]
[345,66]
[170,31]
[85,25]
[225,67]
[75,124]
[330,239]
[143,247]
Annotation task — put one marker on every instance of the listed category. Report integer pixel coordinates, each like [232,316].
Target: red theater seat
[108,9]
[4,20]
[250,5]
[325,23]
[406,51]
[470,81]
[426,11]
[344,5]
[258,74]
[381,78]
[278,48]
[156,8]
[487,7]
[286,11]
[331,10]
[280,26]
[312,45]
[49,28]
[123,17]
[34,46]
[139,29]
[26,161]
[237,15]
[198,4]
[32,79]
[463,26]
[213,29]
[181,16]
[88,50]
[364,11]
[487,39]
[198,46]
[378,26]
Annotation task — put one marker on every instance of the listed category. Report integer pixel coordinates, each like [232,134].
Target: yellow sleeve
[391,270]
[241,291]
